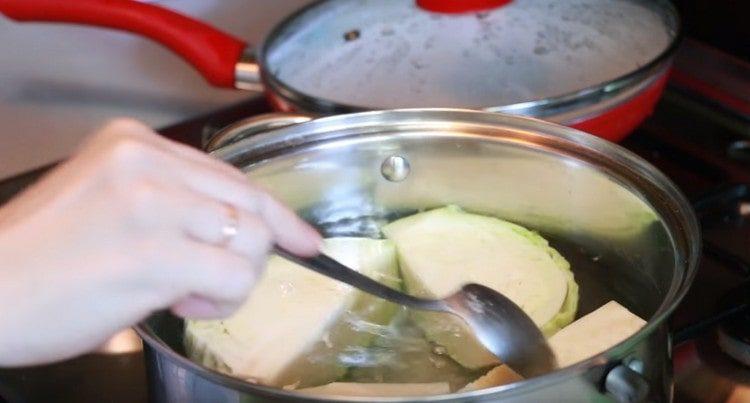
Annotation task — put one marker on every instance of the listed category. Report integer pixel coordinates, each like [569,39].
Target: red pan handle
[213,53]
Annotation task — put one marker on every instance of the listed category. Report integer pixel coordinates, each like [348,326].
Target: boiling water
[401,354]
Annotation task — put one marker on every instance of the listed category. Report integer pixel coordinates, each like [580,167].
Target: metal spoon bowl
[499,324]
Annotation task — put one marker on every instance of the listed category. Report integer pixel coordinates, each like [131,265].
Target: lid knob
[460,6]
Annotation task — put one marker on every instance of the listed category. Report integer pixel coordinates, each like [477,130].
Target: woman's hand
[131,224]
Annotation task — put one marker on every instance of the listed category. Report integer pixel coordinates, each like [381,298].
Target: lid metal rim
[537,108]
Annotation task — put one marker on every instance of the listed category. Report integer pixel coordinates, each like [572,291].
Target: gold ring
[231,227]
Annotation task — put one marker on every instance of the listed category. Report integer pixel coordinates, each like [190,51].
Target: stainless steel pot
[596,65]
[629,233]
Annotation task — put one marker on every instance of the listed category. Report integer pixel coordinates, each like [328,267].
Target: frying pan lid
[391,53]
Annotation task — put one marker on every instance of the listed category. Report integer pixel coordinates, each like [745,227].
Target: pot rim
[544,107]
[681,219]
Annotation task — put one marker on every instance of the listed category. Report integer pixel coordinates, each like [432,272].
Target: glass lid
[392,53]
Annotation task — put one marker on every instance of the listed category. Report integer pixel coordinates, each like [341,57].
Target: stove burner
[726,210]
[733,335]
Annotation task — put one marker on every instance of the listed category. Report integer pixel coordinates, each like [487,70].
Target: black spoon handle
[329,267]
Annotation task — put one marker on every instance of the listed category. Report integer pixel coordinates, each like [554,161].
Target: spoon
[498,323]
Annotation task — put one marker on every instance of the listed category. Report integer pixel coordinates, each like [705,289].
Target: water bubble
[327,340]
[439,350]
[291,386]
[437,362]
[286,288]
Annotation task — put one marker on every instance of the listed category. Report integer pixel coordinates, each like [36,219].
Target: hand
[131,224]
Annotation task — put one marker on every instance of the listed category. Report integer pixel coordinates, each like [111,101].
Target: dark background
[725,24]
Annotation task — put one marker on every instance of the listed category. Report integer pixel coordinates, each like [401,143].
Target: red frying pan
[597,65]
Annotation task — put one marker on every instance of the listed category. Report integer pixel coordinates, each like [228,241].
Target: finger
[131,127]
[200,308]
[127,132]
[217,223]
[210,273]
[195,308]
[289,231]
[287,228]
[216,179]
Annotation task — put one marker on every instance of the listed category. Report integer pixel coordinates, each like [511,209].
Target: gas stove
[699,136]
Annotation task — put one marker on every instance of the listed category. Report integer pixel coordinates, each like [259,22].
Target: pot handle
[251,126]
[212,52]
[626,385]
